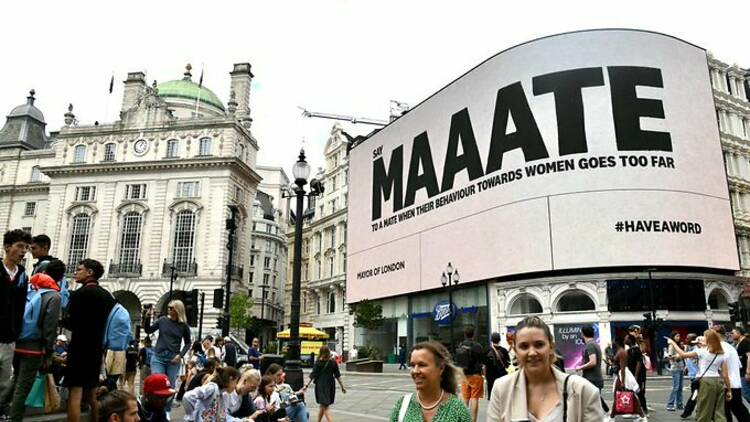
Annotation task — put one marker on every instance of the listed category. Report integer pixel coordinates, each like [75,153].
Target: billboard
[582,150]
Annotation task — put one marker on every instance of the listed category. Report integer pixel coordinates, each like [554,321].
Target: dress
[325,373]
[452,410]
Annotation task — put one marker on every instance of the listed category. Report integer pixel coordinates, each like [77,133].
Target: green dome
[189,90]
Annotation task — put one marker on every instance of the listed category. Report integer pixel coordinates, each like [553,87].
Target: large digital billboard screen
[590,149]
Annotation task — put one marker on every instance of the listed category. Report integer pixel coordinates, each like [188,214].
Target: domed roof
[186,89]
[28,109]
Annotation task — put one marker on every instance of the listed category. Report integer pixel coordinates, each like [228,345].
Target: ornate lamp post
[449,280]
[231,226]
[300,171]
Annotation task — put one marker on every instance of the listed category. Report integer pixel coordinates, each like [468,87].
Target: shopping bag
[51,396]
[624,402]
[630,382]
[36,395]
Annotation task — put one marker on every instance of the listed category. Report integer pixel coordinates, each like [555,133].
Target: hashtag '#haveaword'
[619,226]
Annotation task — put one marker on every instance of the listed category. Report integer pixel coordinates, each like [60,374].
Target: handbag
[629,383]
[36,395]
[51,396]
[695,385]
[624,402]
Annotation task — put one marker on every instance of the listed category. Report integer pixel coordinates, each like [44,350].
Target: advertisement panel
[570,344]
[591,149]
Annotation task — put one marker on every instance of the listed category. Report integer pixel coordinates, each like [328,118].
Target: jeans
[746,389]
[161,363]
[675,397]
[6,363]
[24,375]
[297,412]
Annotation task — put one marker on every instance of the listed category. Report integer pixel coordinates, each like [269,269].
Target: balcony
[129,269]
[236,271]
[183,269]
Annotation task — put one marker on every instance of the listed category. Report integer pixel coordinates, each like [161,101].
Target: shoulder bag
[695,385]
[404,407]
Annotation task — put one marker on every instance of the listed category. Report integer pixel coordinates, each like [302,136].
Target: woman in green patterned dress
[436,381]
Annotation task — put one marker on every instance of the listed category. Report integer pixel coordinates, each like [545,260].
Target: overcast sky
[343,57]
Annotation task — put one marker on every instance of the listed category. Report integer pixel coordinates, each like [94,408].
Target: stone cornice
[26,188]
[151,166]
[728,102]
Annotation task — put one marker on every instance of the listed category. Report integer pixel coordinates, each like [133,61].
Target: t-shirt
[704,360]
[593,374]
[253,353]
[475,358]
[733,365]
[743,348]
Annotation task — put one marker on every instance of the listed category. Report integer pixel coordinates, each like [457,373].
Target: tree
[367,314]
[238,312]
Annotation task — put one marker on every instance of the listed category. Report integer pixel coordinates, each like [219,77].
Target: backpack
[465,356]
[64,293]
[117,333]
[31,326]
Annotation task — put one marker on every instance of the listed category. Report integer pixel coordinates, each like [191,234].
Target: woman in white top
[713,375]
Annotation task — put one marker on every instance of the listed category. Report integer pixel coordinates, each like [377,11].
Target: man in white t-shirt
[734,406]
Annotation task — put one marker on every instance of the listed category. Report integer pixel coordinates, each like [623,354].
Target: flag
[112,83]
[200,81]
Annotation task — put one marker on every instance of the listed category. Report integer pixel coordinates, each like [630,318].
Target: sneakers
[670,409]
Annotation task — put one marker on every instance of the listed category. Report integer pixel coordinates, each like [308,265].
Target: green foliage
[238,312]
[370,351]
[367,314]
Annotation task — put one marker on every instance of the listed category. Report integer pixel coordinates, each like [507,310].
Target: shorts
[472,387]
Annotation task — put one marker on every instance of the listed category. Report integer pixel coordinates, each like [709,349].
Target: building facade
[323,279]
[268,253]
[146,195]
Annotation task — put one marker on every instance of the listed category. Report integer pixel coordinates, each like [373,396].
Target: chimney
[241,78]
[135,86]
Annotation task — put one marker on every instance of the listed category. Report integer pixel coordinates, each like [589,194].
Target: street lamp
[449,280]
[654,324]
[300,171]
[231,226]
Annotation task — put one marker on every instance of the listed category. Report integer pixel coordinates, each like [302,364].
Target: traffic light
[220,322]
[191,307]
[218,298]
[647,320]
[735,312]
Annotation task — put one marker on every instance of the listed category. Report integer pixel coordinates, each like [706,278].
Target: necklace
[434,405]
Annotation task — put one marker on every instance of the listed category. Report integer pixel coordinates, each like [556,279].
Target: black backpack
[466,357]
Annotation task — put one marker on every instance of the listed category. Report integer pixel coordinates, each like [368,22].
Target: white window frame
[79,154]
[190,189]
[36,174]
[80,230]
[82,197]
[183,247]
[110,151]
[135,191]
[204,146]
[130,240]
[29,209]
[173,148]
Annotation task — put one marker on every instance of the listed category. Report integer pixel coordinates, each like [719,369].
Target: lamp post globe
[301,170]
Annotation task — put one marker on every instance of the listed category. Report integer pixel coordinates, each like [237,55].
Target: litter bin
[267,359]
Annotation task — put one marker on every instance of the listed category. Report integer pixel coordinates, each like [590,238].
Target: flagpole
[200,90]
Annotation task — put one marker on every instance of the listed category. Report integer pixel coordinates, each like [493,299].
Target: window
[333,183]
[331,303]
[252,260]
[333,205]
[238,195]
[172,148]
[269,248]
[79,239]
[525,304]
[304,301]
[718,301]
[30,209]
[241,155]
[330,266]
[188,189]
[85,193]
[36,175]
[317,305]
[252,276]
[275,262]
[130,242]
[79,154]
[182,254]
[255,226]
[575,300]
[268,228]
[110,150]
[333,237]
[135,191]
[319,239]
[265,278]
[273,297]
[318,268]
[205,147]
[267,263]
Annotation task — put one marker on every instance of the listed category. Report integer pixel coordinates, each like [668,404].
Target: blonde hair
[713,342]
[179,307]
[248,372]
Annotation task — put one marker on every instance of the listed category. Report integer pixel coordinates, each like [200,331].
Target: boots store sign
[590,149]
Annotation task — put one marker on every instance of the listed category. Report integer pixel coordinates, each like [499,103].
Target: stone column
[240,85]
[135,86]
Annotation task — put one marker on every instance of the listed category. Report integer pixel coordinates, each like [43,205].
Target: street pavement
[371,397]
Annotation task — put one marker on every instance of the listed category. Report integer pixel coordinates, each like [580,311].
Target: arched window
[79,154]
[79,239]
[525,304]
[110,151]
[205,146]
[575,300]
[332,303]
[184,235]
[36,175]
[718,301]
[130,242]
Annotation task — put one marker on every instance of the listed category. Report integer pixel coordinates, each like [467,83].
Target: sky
[341,57]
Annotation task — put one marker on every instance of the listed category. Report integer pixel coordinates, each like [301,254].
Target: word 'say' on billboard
[591,149]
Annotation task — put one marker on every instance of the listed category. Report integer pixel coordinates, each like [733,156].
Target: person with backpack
[14,285]
[35,345]
[497,361]
[40,245]
[88,315]
[469,357]
[173,342]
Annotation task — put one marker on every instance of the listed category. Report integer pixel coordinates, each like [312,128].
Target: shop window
[526,304]
[575,301]
[718,301]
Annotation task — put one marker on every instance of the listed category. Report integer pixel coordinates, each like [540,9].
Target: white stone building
[323,279]
[142,193]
